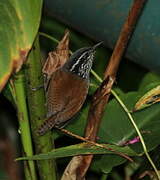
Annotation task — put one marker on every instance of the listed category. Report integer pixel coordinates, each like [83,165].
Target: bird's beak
[97,45]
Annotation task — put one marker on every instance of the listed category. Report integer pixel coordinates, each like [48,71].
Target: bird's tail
[47,125]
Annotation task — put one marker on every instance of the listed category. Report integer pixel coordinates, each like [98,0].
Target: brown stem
[102,94]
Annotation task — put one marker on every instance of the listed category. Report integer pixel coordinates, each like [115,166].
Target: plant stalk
[37,111]
[29,167]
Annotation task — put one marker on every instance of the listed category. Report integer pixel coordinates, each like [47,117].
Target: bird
[68,88]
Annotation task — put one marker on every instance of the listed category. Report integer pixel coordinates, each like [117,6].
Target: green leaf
[77,149]
[105,163]
[19,23]
[117,129]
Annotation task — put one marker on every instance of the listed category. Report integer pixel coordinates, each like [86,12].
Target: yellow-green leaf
[19,23]
[150,98]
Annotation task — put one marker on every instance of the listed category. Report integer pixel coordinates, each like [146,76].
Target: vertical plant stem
[29,167]
[37,111]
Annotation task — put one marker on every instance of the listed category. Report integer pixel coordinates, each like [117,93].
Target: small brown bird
[68,88]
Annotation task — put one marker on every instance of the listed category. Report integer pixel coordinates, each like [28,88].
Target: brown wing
[66,95]
[54,99]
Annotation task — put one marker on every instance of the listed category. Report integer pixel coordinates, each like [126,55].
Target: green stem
[52,39]
[24,125]
[37,111]
[49,37]
[96,76]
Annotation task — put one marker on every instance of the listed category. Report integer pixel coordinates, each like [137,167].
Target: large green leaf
[19,23]
[117,129]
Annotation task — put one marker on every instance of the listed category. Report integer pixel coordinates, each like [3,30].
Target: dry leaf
[70,171]
[56,58]
[150,98]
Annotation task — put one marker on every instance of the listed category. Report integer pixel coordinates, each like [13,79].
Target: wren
[68,88]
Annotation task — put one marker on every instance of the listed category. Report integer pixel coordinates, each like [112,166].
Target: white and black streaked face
[80,62]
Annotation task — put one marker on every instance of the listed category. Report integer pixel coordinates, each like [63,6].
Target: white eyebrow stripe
[78,60]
